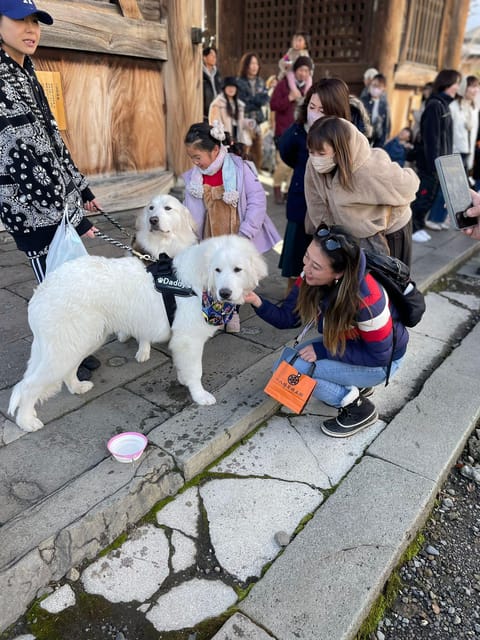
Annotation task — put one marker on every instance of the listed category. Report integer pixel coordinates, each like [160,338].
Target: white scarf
[224,162]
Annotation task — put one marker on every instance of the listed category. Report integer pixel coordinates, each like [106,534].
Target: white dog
[164,226]
[77,306]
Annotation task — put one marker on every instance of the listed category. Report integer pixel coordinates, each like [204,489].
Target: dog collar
[216,312]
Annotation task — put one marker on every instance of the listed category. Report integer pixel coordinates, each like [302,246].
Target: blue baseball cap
[19,9]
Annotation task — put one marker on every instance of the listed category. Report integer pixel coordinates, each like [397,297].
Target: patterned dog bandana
[216,312]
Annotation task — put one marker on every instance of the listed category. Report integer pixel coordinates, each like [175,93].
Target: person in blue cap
[38,177]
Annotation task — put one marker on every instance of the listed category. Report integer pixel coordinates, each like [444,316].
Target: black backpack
[394,276]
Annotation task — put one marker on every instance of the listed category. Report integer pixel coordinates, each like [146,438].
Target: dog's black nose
[154,221]
[225,294]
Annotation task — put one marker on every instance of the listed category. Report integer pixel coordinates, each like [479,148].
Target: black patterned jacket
[37,174]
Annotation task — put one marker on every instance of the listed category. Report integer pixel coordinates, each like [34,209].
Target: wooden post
[389,20]
[230,14]
[183,79]
[456,14]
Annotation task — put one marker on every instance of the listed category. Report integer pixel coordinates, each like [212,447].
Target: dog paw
[143,354]
[203,397]
[122,337]
[29,424]
[82,386]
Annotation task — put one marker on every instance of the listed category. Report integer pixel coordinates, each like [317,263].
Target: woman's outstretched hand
[253,299]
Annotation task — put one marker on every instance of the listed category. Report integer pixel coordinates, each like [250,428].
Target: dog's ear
[187,218]
[259,266]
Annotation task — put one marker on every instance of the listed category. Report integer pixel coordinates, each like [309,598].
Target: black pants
[38,264]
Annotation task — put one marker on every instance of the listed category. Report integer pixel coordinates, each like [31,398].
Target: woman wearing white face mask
[376,104]
[329,96]
[350,184]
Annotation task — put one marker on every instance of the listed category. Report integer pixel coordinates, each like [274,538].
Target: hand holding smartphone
[455,189]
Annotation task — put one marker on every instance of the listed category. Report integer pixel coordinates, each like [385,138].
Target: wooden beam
[83,27]
[130,9]
[183,79]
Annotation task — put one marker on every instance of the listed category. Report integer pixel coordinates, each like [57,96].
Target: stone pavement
[235,495]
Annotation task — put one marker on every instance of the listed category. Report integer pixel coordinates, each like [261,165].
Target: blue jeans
[438,212]
[335,379]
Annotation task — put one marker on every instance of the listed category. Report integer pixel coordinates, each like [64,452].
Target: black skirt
[295,243]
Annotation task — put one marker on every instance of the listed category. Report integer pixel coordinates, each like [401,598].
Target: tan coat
[218,111]
[380,199]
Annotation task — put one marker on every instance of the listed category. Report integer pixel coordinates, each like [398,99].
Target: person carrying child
[299,48]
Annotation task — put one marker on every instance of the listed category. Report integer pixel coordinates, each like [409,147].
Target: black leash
[114,222]
[120,245]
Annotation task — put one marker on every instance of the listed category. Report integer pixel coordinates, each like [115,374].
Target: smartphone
[455,189]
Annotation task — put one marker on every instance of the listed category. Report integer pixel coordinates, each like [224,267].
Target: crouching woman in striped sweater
[361,340]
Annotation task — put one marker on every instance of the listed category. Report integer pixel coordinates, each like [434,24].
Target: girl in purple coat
[223,193]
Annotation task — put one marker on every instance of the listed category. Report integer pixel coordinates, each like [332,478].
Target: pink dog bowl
[128,446]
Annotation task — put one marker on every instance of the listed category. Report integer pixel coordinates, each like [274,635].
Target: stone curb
[349,549]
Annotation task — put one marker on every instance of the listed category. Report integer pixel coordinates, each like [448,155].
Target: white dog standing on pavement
[76,308]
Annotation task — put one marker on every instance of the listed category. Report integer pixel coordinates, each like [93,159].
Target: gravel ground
[440,596]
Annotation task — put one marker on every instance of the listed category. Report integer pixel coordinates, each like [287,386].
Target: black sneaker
[354,417]
[83,373]
[91,363]
[366,392]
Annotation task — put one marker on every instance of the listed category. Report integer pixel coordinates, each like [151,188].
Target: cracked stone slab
[135,571]
[19,585]
[200,434]
[182,513]
[166,391]
[245,513]
[84,516]
[241,628]
[9,432]
[435,425]
[184,552]
[344,555]
[466,300]
[296,450]
[438,310]
[60,599]
[190,603]
[13,357]
[71,446]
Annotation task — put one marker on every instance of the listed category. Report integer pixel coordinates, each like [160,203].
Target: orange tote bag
[290,387]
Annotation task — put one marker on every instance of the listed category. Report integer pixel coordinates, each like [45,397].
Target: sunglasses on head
[332,241]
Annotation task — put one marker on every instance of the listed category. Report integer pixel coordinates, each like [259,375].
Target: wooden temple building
[131,80]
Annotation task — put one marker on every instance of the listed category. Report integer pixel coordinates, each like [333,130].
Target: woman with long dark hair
[253,93]
[360,338]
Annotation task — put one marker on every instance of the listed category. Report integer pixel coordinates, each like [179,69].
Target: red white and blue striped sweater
[369,343]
